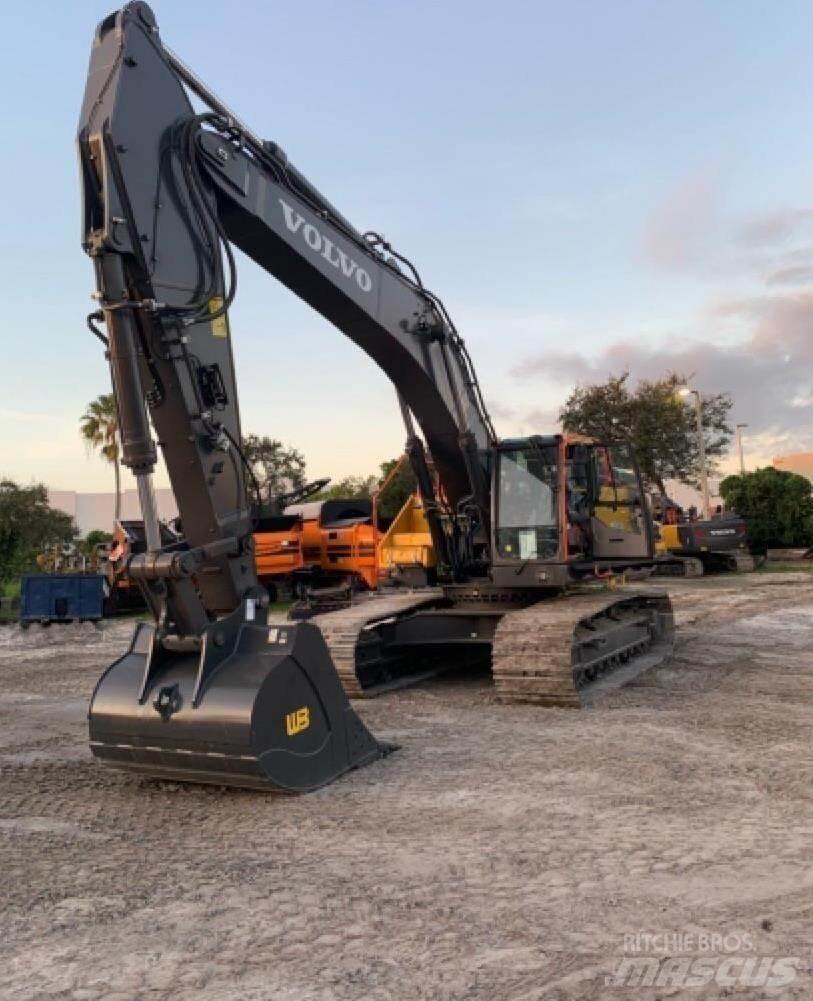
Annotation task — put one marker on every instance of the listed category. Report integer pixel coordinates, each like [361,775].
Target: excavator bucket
[257,705]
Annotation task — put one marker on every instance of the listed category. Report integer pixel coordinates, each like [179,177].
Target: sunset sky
[590,187]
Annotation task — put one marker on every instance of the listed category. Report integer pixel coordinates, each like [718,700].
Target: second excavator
[213,691]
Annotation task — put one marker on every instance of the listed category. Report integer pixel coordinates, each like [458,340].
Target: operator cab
[526,525]
[566,506]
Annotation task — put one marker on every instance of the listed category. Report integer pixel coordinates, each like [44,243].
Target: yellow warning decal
[297,721]
[220,327]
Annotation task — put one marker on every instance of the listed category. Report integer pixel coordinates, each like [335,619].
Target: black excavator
[692,548]
[212,690]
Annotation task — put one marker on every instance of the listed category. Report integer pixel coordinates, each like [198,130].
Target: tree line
[279,469]
[652,416]
[29,525]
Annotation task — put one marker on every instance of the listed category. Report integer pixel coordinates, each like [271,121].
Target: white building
[96,511]
[688,497]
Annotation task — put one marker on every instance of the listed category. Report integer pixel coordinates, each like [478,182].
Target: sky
[591,188]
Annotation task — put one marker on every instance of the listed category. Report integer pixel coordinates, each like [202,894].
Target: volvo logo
[322,245]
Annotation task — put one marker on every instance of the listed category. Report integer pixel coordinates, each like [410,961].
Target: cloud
[762,447]
[679,231]
[757,346]
[540,421]
[499,411]
[689,232]
[774,227]
[796,274]
[769,373]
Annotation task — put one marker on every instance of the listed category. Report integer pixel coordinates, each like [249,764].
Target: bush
[777,507]
[27,525]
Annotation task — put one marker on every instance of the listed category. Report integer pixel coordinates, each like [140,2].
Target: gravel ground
[507,853]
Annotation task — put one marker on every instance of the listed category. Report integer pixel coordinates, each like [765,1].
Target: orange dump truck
[318,544]
[314,545]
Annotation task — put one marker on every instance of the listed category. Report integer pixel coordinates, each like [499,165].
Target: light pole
[701,445]
[739,447]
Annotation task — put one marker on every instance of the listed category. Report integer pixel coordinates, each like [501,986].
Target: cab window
[526,504]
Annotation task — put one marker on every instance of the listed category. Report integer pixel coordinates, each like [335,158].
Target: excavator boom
[166,192]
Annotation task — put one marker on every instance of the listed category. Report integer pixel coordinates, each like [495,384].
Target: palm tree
[99,426]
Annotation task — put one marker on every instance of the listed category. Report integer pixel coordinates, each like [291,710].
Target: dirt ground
[505,853]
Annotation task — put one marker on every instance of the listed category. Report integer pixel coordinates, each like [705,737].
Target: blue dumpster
[61,597]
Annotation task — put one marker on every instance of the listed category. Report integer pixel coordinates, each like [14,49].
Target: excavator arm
[212,690]
[167,191]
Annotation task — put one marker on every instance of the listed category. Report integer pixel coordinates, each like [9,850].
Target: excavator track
[679,566]
[713,562]
[566,651]
[557,652]
[343,629]
[743,563]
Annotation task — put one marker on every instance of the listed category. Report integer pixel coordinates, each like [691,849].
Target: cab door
[619,523]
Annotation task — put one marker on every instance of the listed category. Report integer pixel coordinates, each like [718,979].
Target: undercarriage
[550,651]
